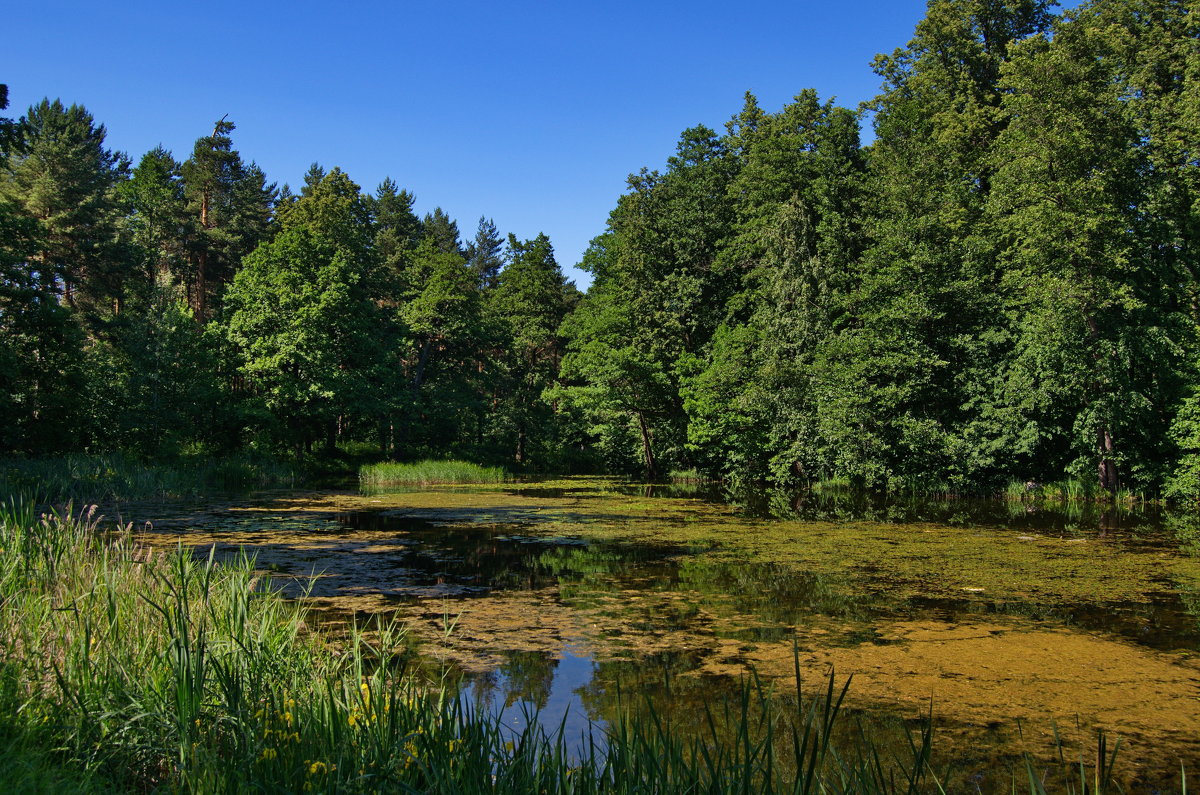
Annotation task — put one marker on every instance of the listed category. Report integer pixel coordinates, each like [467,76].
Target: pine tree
[231,204]
[157,219]
[483,254]
[398,230]
[529,302]
[61,175]
[443,231]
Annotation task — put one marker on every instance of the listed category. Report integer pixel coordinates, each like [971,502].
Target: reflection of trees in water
[768,599]
[527,676]
[596,564]
[1185,528]
[654,679]
[845,505]
[717,711]
[775,593]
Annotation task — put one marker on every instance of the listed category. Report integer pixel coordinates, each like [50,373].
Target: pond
[1010,623]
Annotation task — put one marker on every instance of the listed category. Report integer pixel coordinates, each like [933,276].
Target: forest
[1002,285]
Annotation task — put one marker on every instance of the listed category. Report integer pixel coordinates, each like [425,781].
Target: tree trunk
[1107,470]
[419,375]
[200,303]
[647,449]
[1109,481]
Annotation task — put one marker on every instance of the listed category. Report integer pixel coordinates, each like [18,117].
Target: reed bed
[1070,491]
[391,473]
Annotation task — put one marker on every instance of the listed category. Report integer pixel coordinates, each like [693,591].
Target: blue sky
[530,113]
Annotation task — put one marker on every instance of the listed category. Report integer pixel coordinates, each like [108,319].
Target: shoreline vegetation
[428,472]
[115,477]
[128,668]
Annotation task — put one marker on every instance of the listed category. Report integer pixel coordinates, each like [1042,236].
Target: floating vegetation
[992,615]
[127,669]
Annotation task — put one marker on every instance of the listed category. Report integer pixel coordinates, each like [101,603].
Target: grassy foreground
[125,669]
[391,473]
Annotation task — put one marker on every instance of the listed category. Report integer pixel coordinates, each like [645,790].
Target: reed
[391,473]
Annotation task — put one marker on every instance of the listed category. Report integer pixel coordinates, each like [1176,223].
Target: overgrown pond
[1011,623]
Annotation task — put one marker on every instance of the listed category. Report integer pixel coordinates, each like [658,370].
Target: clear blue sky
[530,113]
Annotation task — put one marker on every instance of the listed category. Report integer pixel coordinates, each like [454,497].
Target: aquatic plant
[391,473]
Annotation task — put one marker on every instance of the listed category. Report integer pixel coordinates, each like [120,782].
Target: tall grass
[390,473]
[1069,491]
[101,478]
[126,669]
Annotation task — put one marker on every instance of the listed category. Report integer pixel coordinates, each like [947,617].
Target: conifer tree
[529,302]
[397,228]
[443,231]
[483,253]
[61,175]
[231,205]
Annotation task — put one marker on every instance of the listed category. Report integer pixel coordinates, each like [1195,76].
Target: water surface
[1013,620]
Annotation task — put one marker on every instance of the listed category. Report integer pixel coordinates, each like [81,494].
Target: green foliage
[308,333]
[1184,482]
[60,174]
[527,305]
[115,477]
[155,384]
[483,254]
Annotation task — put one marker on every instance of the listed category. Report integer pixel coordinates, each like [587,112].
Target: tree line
[171,307]
[1003,284]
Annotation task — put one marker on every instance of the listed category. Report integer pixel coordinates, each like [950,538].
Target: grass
[122,668]
[115,477]
[689,476]
[1069,491]
[390,473]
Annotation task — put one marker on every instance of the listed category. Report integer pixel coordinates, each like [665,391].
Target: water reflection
[540,686]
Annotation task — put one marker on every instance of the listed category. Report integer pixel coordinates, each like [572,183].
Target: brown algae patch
[975,675]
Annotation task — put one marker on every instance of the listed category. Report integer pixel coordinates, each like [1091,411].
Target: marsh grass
[115,477]
[690,476]
[123,668]
[390,473]
[1070,492]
